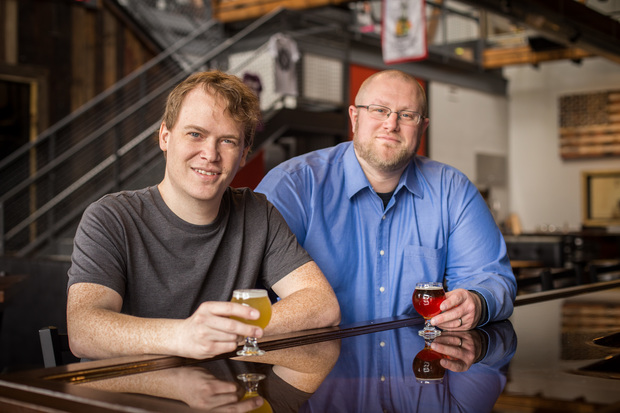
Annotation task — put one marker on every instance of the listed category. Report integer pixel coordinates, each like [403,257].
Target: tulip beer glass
[427,298]
[259,300]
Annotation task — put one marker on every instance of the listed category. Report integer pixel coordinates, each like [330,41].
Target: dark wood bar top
[558,352]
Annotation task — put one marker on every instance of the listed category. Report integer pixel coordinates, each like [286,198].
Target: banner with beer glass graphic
[403,34]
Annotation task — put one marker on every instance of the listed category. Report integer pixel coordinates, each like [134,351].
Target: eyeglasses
[383,113]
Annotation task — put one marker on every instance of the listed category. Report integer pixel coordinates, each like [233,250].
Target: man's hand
[461,310]
[211,331]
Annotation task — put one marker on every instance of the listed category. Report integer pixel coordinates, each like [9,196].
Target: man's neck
[381,181]
[188,209]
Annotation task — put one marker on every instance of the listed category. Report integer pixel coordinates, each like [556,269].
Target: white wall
[544,189]
[465,122]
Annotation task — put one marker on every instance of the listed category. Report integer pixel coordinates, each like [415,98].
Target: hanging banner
[403,34]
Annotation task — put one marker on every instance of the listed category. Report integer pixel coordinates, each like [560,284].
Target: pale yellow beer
[257,299]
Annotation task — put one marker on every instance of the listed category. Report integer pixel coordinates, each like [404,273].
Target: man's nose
[210,151]
[391,123]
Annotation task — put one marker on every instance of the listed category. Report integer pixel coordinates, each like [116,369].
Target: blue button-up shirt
[436,226]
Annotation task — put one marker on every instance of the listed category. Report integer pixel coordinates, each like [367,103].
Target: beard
[395,160]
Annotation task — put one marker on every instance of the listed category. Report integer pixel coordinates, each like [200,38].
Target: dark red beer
[426,300]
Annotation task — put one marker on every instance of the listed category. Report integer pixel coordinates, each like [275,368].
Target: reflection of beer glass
[427,367]
[250,383]
[427,298]
[259,300]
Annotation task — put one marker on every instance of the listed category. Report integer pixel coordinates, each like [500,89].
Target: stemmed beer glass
[260,300]
[427,297]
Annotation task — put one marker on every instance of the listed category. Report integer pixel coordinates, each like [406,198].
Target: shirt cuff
[484,311]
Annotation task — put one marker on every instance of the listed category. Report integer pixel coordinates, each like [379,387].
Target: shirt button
[382,289]
[383,217]
[382,378]
[382,344]
[381,252]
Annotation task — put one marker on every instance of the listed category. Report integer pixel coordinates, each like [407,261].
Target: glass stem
[250,344]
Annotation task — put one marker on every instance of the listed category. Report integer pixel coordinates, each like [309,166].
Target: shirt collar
[355,178]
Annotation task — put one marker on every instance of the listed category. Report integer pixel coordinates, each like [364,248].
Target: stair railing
[43,203]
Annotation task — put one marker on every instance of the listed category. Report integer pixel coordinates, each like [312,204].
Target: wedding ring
[460,342]
[460,322]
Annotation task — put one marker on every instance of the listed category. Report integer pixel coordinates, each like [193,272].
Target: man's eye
[229,141]
[378,110]
[406,115]
[194,134]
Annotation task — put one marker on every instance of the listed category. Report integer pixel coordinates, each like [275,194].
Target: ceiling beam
[496,58]
[227,11]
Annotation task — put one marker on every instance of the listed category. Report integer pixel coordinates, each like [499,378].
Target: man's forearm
[305,309]
[102,333]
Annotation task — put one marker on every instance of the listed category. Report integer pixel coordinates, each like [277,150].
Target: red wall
[252,173]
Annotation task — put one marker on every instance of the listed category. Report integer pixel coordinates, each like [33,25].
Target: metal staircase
[109,144]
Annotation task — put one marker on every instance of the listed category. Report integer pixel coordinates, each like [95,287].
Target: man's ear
[164,135]
[244,157]
[353,113]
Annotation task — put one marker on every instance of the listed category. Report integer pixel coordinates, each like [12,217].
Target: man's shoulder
[246,195]
[245,199]
[317,159]
[430,169]
[123,201]
[127,195]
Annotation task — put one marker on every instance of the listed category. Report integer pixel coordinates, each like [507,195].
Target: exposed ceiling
[551,29]
[582,30]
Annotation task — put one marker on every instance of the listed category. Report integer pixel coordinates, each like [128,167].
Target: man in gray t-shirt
[153,270]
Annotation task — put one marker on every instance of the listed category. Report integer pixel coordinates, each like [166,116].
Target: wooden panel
[590,125]
[496,58]
[9,34]
[83,57]
[236,10]
[110,27]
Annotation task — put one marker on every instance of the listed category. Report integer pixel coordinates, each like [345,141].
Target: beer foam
[249,293]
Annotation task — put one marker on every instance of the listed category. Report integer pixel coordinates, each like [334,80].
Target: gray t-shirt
[165,267]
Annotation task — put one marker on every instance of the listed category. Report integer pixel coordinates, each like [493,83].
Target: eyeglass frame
[398,113]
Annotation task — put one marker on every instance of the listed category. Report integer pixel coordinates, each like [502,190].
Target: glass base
[429,334]
[250,352]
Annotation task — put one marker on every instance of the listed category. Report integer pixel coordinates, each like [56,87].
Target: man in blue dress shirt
[377,219]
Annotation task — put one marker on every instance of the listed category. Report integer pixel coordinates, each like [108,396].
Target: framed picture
[601,198]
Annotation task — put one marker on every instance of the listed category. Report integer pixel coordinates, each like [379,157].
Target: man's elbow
[78,346]
[332,313]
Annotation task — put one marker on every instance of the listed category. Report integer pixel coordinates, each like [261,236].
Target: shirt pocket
[425,264]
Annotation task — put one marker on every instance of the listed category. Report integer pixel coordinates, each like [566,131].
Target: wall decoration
[590,125]
[601,198]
